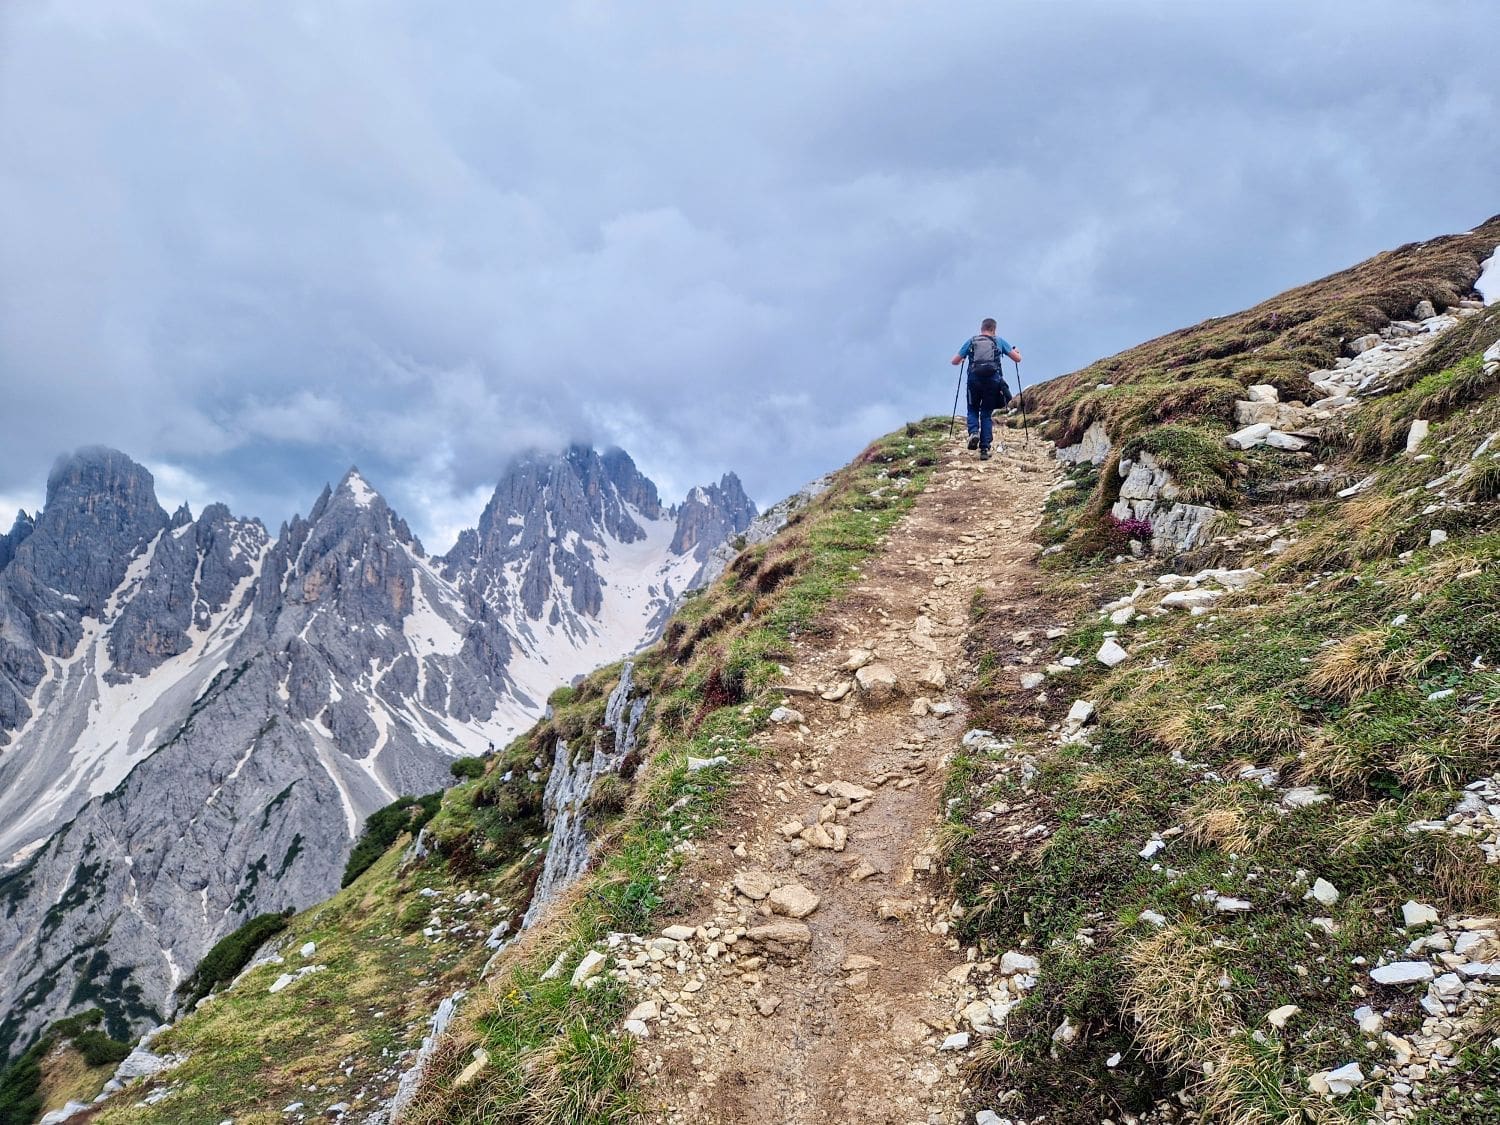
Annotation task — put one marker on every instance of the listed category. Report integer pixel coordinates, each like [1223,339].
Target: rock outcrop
[1147,492]
[1093,446]
[570,784]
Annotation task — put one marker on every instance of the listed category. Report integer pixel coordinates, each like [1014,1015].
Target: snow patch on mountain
[91,724]
[641,581]
[1488,285]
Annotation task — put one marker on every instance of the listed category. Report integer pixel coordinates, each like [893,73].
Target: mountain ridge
[296,683]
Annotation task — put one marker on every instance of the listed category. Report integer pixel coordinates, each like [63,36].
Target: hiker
[987,389]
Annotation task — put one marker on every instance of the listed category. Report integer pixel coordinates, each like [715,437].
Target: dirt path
[841,1016]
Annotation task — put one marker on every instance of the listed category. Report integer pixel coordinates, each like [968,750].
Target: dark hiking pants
[987,393]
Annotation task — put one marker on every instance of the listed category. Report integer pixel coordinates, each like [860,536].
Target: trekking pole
[954,420]
[1021,394]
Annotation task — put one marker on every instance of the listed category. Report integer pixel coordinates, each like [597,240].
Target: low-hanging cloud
[254,244]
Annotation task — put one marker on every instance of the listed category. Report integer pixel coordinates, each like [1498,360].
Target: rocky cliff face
[711,515]
[582,561]
[570,784]
[200,718]
[18,533]
[101,513]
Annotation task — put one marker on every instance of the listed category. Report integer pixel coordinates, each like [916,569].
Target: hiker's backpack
[984,356]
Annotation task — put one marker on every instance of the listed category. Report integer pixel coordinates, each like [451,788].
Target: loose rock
[754,884]
[793,900]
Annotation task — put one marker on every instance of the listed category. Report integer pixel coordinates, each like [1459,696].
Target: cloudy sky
[252,243]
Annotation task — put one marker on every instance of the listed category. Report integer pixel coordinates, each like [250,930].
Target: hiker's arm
[956,360]
[1014,354]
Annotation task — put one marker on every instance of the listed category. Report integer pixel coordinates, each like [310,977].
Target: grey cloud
[255,245]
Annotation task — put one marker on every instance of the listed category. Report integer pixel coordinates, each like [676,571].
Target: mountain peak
[101,507]
[711,514]
[96,470]
[18,534]
[357,488]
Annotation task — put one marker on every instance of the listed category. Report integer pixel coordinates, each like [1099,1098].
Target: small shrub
[413,915]
[98,1049]
[1109,535]
[383,826]
[71,1027]
[467,769]
[230,954]
[609,795]
[775,574]
[21,1087]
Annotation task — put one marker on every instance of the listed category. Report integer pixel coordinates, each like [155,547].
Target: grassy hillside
[1175,395]
[1211,865]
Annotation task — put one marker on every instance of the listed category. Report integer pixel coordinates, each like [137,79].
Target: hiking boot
[984,454]
[973,441]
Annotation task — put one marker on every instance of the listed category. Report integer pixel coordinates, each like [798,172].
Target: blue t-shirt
[963,352]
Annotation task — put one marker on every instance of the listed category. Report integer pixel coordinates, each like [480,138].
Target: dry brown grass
[1366,526]
[1456,562]
[1480,737]
[1174,994]
[1248,1086]
[1461,879]
[1106,789]
[1335,761]
[997,1062]
[1228,818]
[1432,765]
[1355,666]
[67,1077]
[1220,827]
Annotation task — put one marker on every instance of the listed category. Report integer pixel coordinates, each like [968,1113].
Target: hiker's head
[987,324]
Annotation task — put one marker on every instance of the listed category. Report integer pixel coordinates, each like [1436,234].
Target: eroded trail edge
[810,976]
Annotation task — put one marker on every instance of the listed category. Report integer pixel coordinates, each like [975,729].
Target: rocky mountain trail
[813,978]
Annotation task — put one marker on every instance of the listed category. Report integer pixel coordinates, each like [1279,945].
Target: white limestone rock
[1403,972]
[1111,654]
[877,682]
[1191,599]
[1288,442]
[1079,714]
[1249,437]
[588,968]
[1417,434]
[1415,913]
[1012,962]
[1092,447]
[1323,892]
[1278,1017]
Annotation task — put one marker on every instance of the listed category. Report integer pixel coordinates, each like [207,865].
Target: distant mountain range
[196,717]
